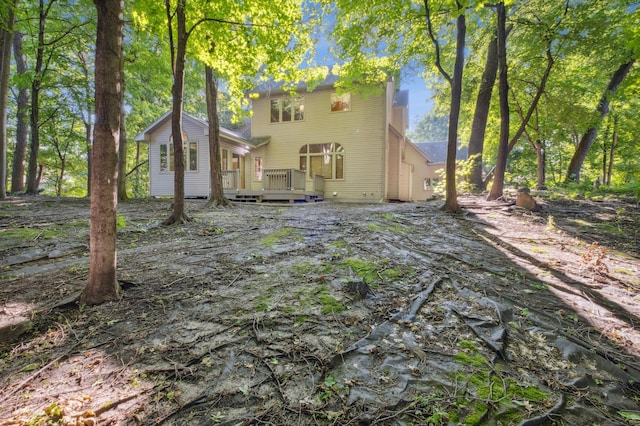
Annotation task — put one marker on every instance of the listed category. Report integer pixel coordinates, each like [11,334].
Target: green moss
[276,237]
[468,345]
[330,305]
[477,417]
[475,360]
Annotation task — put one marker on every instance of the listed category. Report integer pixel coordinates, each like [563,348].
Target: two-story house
[311,146]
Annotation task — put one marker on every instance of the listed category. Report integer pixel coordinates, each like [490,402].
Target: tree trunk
[178,216]
[573,172]
[6,30]
[503,86]
[216,192]
[102,285]
[483,102]
[541,158]
[122,149]
[34,147]
[614,144]
[532,108]
[451,197]
[22,129]
[88,140]
[122,155]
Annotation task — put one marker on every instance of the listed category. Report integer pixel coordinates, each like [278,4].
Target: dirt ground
[329,314]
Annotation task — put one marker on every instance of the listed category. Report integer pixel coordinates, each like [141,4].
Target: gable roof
[437,151]
[228,135]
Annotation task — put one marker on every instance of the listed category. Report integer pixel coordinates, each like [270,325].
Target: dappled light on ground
[332,314]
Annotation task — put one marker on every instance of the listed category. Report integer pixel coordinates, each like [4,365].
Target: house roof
[228,135]
[276,86]
[437,151]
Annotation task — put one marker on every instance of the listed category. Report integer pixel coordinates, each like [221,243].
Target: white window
[340,103]
[190,151]
[285,110]
[257,171]
[323,159]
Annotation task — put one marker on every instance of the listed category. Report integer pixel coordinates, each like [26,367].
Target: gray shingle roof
[437,151]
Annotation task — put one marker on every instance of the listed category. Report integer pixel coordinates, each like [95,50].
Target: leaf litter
[323,314]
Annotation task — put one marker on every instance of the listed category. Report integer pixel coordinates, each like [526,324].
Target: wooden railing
[231,179]
[318,183]
[283,180]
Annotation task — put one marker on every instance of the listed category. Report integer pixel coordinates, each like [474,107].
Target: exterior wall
[196,183]
[361,132]
[421,171]
[393,166]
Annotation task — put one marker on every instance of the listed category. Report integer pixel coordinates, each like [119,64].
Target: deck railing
[283,180]
[318,183]
[231,179]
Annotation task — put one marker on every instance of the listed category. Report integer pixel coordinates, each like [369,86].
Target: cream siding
[421,171]
[360,131]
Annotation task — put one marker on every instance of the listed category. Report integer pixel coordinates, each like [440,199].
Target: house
[437,154]
[311,146]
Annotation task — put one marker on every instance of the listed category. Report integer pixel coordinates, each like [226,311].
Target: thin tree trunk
[122,156]
[177,91]
[451,198]
[573,172]
[216,192]
[503,86]
[34,146]
[6,30]
[89,142]
[614,144]
[22,129]
[483,102]
[541,159]
[605,155]
[102,285]
[534,104]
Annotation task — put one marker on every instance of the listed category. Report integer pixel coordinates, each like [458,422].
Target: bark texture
[573,172]
[102,285]
[6,30]
[22,127]
[178,53]
[216,191]
[503,90]
[481,113]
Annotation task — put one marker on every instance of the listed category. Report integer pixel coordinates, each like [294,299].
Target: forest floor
[325,314]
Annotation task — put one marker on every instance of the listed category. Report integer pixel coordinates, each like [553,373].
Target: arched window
[324,159]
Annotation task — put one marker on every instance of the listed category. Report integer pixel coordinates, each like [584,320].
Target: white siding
[196,183]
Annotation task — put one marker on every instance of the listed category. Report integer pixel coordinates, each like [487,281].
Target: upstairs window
[285,110]
[340,103]
[324,159]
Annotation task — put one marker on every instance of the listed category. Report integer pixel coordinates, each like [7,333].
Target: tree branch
[435,42]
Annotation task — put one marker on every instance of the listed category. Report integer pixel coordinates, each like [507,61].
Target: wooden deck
[279,185]
[290,196]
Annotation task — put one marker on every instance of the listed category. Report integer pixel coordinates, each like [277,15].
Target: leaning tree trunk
[22,128]
[216,192]
[102,285]
[573,172]
[6,29]
[503,86]
[479,126]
